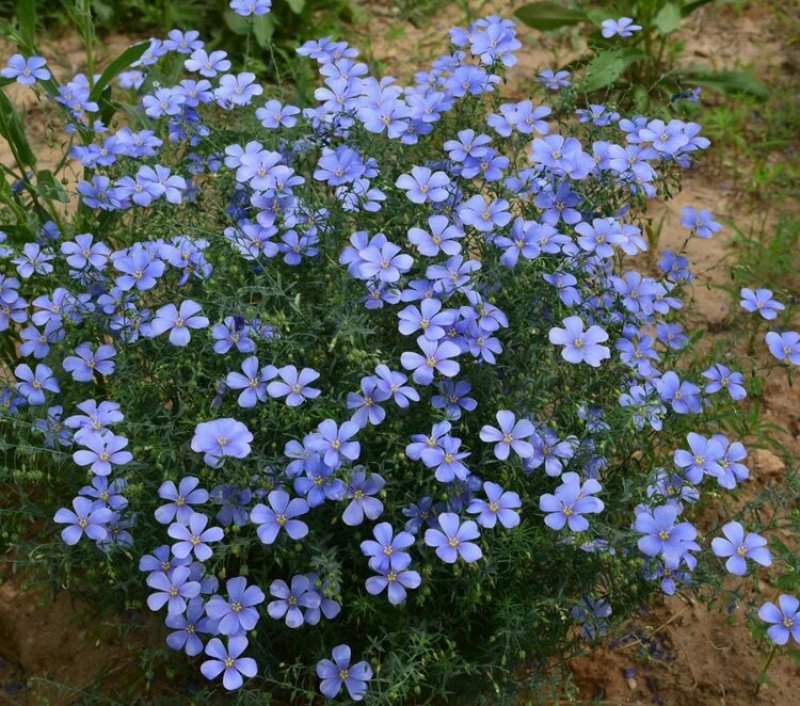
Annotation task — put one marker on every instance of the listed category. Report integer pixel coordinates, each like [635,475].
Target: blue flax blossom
[555,81]
[82,252]
[187,626]
[177,322]
[512,434]
[333,442]
[233,331]
[446,459]
[661,535]
[339,672]
[785,347]
[393,385]
[366,404]
[452,398]
[761,301]
[294,385]
[424,185]
[386,550]
[580,346]
[623,27]
[703,459]
[442,236]
[451,540]
[221,438]
[386,263]
[683,396]
[181,498]
[290,600]
[396,579]
[436,356]
[428,318]
[700,223]
[86,362]
[208,65]
[280,515]
[88,518]
[173,589]
[26,71]
[361,491]
[252,382]
[572,500]
[237,614]
[246,8]
[228,662]
[500,506]
[721,377]
[102,452]
[738,547]
[484,217]
[784,619]
[32,385]
[193,537]
[318,484]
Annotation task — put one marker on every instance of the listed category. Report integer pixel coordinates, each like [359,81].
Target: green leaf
[729,83]
[296,6]
[11,129]
[26,15]
[548,16]
[116,67]
[607,68]
[668,19]
[690,7]
[49,187]
[263,28]
[236,23]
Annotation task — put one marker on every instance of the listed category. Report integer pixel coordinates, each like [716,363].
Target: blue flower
[737,547]
[26,71]
[290,601]
[761,301]
[451,540]
[499,506]
[512,434]
[436,355]
[623,27]
[181,500]
[88,518]
[785,619]
[339,672]
[386,550]
[252,382]
[424,185]
[237,614]
[173,589]
[784,346]
[193,537]
[580,346]
[396,579]
[177,322]
[280,515]
[571,501]
[228,662]
[221,438]
[361,490]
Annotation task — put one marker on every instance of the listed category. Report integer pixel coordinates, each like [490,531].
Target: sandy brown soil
[680,653]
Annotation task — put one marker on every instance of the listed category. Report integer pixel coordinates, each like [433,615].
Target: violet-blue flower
[294,385]
[221,438]
[571,501]
[88,518]
[784,619]
[173,589]
[228,662]
[451,540]
[193,537]
[339,672]
[512,434]
[280,515]
[290,600]
[761,301]
[499,506]
[181,498]
[236,614]
[737,547]
[579,345]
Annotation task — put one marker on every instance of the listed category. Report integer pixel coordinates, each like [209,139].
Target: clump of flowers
[368,379]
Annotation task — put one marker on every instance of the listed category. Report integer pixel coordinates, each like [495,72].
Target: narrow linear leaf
[116,67]
[729,82]
[548,16]
[26,15]
[11,128]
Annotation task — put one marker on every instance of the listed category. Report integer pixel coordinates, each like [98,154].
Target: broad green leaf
[690,7]
[49,187]
[236,23]
[116,67]
[728,82]
[296,6]
[263,28]
[548,16]
[11,129]
[668,19]
[607,68]
[26,15]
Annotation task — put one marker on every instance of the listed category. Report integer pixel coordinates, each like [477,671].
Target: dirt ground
[678,654]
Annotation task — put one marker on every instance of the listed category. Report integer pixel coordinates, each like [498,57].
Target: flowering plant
[369,379]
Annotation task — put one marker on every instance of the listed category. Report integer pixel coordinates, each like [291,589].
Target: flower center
[453,542]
